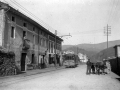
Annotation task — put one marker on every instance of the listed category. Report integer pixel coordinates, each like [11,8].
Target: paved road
[67,79]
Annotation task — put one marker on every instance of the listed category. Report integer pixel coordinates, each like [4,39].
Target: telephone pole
[107,32]
[55,48]
[56,44]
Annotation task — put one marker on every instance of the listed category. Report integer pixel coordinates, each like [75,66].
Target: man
[93,68]
[88,67]
[108,67]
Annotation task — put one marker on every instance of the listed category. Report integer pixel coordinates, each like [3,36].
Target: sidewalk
[18,77]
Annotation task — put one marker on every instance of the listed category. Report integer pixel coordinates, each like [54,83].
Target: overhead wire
[21,7]
[88,32]
[115,10]
[33,16]
[113,13]
[110,11]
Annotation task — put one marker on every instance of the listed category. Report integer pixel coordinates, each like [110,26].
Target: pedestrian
[88,67]
[108,67]
[93,68]
[104,67]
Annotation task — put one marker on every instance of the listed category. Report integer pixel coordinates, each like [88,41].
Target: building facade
[82,57]
[32,43]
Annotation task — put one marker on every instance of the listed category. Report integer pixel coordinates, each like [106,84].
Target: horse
[100,67]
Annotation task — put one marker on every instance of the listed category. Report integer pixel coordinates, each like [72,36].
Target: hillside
[78,50]
[94,47]
[66,46]
[104,54]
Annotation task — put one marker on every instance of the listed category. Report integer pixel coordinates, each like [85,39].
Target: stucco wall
[16,44]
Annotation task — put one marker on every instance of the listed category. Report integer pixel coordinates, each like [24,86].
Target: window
[13,18]
[52,47]
[44,43]
[32,61]
[41,32]
[34,39]
[25,24]
[12,32]
[44,34]
[41,41]
[33,28]
[24,33]
[49,46]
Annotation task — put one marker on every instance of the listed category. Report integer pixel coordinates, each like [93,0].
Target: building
[69,52]
[32,43]
[82,57]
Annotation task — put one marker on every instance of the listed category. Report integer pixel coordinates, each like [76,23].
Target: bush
[7,62]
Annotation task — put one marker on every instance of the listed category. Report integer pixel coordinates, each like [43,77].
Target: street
[66,79]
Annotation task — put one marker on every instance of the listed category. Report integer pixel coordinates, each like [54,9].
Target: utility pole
[107,35]
[77,50]
[55,48]
[107,32]
[56,45]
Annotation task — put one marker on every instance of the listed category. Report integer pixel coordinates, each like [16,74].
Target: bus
[70,60]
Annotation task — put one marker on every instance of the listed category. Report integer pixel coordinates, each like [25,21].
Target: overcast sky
[83,19]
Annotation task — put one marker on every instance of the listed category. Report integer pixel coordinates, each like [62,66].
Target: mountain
[66,46]
[78,50]
[94,47]
[104,54]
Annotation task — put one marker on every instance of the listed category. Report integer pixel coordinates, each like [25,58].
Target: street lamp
[56,44]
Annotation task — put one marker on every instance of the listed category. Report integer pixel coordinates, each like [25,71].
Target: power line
[88,32]
[28,12]
[111,11]
[115,10]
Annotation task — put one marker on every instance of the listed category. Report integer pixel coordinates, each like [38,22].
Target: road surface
[66,79]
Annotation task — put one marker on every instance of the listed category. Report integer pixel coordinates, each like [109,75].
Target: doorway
[23,57]
[32,62]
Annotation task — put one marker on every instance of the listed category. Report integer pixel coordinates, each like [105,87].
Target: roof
[116,46]
[19,13]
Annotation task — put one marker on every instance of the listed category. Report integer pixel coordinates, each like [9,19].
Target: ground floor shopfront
[31,59]
[29,56]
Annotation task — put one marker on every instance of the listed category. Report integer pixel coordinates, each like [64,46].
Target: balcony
[26,44]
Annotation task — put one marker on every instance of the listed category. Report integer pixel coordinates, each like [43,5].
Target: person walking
[93,68]
[108,67]
[88,67]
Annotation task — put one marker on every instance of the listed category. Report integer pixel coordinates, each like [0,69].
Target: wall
[2,22]
[16,44]
[115,65]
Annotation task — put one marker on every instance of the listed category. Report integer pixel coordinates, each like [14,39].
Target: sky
[85,20]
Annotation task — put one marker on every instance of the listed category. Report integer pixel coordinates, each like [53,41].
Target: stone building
[31,42]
